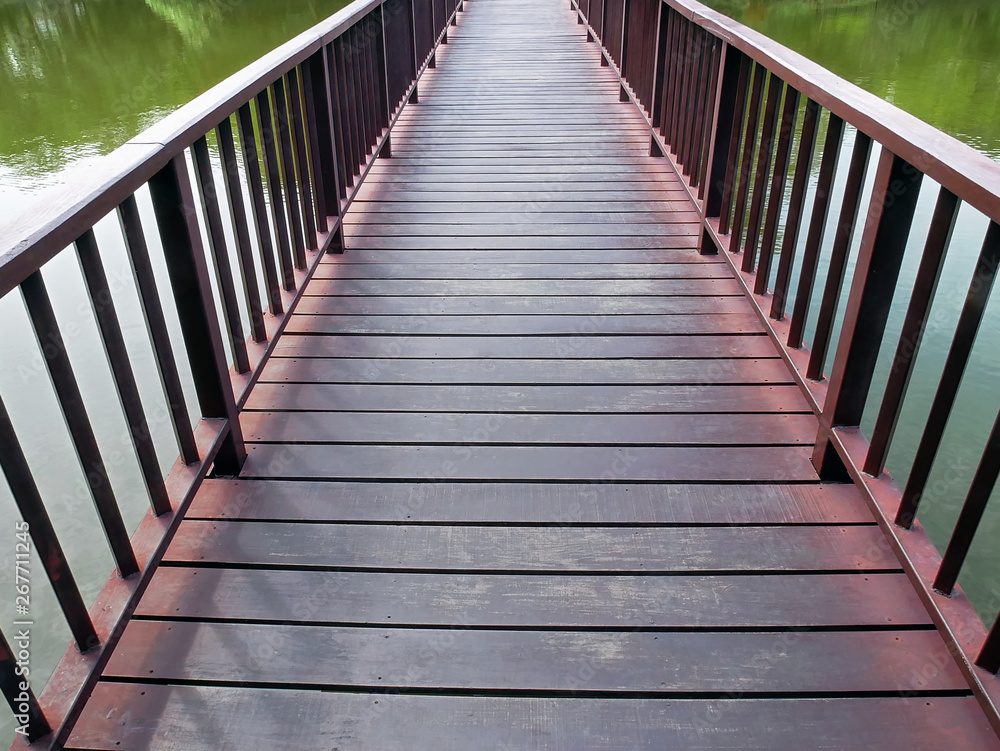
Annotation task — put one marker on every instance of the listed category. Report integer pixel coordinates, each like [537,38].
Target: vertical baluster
[302,173]
[689,67]
[321,140]
[796,206]
[843,238]
[258,208]
[341,130]
[700,98]
[660,63]
[32,509]
[951,377]
[924,291]
[287,172]
[883,244]
[670,62]
[362,100]
[238,217]
[368,99]
[173,205]
[677,82]
[765,154]
[156,325]
[989,656]
[345,64]
[817,227]
[10,684]
[746,158]
[973,509]
[623,64]
[382,68]
[380,72]
[723,192]
[220,254]
[43,320]
[689,93]
[272,173]
[99,292]
[417,57]
[709,120]
[776,195]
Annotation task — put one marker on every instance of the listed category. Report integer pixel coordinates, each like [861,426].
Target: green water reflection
[80,77]
[937,59]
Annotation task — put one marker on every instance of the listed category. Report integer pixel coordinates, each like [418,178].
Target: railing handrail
[966,172]
[61,214]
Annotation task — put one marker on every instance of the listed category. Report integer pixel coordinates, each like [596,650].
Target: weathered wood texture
[526,473]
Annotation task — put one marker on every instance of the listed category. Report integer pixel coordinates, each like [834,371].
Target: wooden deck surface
[526,473]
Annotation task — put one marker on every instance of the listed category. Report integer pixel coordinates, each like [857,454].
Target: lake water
[80,77]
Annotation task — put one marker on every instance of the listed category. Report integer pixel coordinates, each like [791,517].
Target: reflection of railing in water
[723,103]
[311,118]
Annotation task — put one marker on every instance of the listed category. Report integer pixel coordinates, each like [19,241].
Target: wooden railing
[734,111]
[305,122]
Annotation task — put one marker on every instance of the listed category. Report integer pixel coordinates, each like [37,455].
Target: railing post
[623,49]
[721,153]
[415,62]
[883,243]
[383,63]
[173,205]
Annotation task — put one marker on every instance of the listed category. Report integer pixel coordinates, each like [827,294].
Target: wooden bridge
[540,461]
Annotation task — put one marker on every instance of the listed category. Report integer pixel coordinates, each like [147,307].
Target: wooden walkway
[527,473]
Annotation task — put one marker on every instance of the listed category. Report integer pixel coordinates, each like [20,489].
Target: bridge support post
[176,217]
[887,227]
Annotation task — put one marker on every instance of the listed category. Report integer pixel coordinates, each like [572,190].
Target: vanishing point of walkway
[527,473]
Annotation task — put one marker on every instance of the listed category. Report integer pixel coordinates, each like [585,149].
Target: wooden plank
[719,399]
[479,429]
[526,325]
[542,287]
[526,503]
[523,243]
[547,463]
[520,229]
[539,219]
[169,718]
[651,372]
[507,270]
[595,306]
[682,601]
[376,192]
[432,548]
[395,206]
[563,256]
[660,664]
[531,347]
